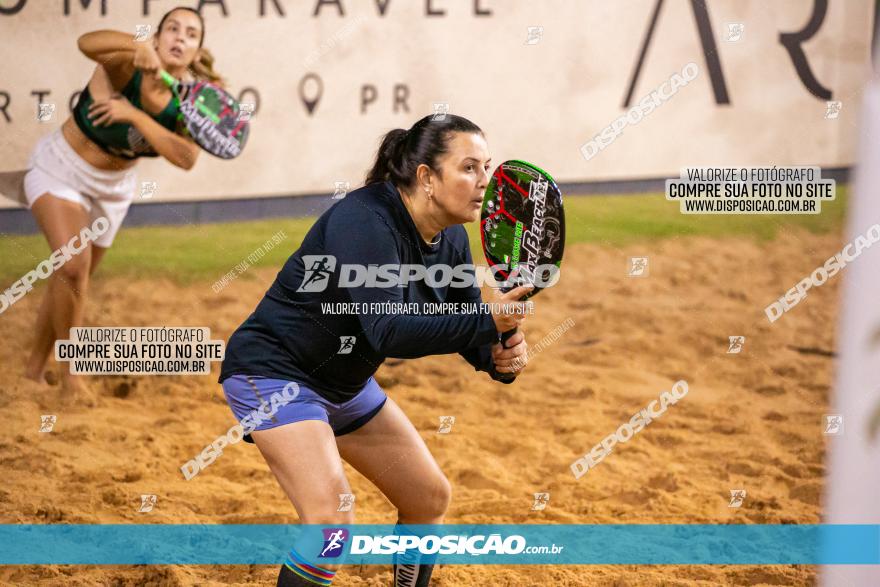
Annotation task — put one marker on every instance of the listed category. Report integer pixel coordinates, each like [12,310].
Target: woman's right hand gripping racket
[522,228]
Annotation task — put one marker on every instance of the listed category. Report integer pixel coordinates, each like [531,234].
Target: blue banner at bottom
[557,544]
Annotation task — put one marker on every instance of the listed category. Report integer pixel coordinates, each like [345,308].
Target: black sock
[287,578]
[409,575]
[412,569]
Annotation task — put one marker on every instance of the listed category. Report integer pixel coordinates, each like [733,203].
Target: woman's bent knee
[441,496]
[432,503]
[75,271]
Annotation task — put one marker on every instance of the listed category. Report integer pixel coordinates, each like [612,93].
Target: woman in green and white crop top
[80,180]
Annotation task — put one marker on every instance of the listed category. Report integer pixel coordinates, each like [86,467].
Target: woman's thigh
[60,219]
[304,458]
[389,451]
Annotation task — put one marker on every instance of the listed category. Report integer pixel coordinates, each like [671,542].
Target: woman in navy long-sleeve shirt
[317,364]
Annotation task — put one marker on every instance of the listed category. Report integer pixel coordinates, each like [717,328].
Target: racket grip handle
[505,336]
[169,79]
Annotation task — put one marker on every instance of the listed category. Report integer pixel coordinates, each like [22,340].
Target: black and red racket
[211,116]
[522,227]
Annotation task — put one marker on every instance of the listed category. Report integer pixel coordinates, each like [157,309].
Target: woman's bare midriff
[90,152]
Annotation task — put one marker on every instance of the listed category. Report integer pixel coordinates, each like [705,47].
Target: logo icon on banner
[310,89]
[318,270]
[334,542]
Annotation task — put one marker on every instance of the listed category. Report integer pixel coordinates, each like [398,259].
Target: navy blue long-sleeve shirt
[289,335]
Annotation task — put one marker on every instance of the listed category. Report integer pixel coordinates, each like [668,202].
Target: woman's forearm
[176,149]
[100,45]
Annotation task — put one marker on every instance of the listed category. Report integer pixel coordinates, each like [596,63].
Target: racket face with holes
[212,118]
[522,225]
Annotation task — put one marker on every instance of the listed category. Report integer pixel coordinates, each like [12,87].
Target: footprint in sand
[810,493]
[666,482]
[770,390]
[473,479]
[124,388]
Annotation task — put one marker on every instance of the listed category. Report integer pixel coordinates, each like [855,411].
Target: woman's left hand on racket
[514,358]
[114,110]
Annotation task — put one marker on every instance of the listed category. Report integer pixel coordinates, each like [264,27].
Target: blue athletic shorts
[248,394]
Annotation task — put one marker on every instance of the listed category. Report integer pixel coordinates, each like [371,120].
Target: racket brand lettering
[517,240]
[204,130]
[531,240]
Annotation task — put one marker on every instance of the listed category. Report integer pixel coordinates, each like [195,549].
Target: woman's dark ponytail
[388,156]
[402,151]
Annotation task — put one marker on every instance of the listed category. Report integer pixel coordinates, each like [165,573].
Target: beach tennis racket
[210,116]
[522,228]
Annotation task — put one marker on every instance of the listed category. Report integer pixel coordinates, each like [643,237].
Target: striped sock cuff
[316,575]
